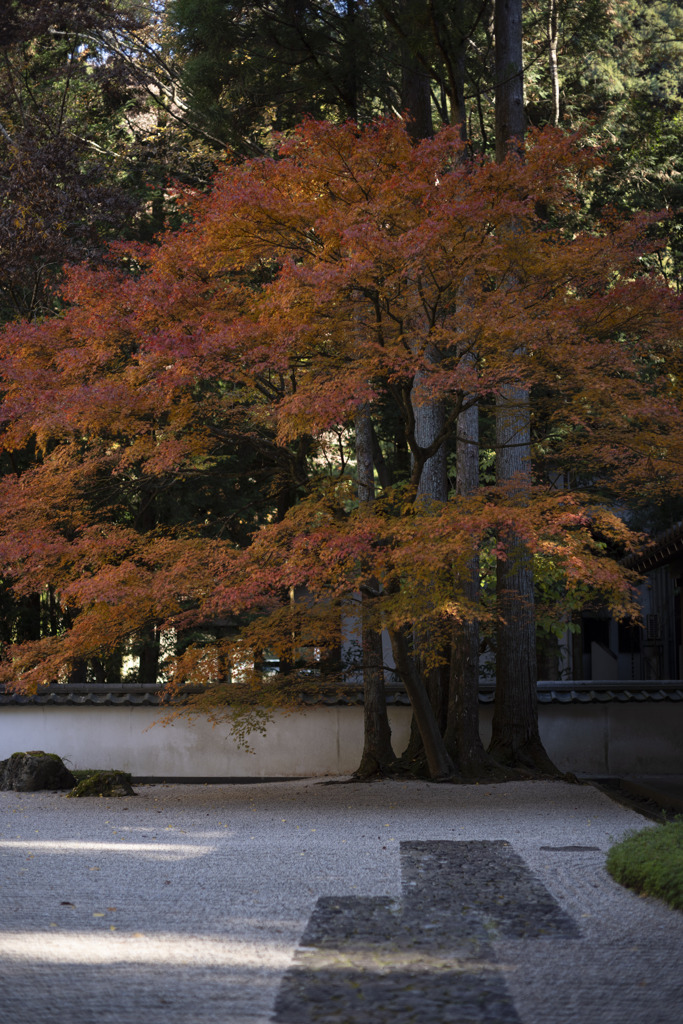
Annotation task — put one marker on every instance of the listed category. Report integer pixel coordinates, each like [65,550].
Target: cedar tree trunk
[515,738]
[416,97]
[552,60]
[377,750]
[426,700]
[462,729]
[432,486]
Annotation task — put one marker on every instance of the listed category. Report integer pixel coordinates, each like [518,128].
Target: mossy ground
[651,862]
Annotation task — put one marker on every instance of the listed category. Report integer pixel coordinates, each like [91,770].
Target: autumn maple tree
[355,277]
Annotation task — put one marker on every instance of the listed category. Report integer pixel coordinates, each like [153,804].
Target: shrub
[651,862]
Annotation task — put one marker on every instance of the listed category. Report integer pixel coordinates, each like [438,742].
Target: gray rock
[34,769]
[110,783]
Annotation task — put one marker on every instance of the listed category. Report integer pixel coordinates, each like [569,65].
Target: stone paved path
[296,903]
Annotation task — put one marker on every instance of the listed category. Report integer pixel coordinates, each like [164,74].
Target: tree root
[529,761]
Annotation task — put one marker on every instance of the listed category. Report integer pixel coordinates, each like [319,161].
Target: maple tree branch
[268,390]
[429,310]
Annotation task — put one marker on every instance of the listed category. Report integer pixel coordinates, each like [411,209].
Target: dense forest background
[116,118]
[106,104]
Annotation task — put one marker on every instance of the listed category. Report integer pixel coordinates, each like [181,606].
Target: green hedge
[651,862]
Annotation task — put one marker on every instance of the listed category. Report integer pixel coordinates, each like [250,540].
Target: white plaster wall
[319,741]
[657,737]
[597,739]
[576,736]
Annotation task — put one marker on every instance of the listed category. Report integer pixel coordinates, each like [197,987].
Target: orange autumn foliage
[300,289]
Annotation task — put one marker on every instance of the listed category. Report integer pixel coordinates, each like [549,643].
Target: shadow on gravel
[429,957]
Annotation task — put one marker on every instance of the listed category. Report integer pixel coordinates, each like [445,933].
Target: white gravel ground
[185,904]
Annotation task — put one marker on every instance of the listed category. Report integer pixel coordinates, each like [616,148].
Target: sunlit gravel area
[187,905]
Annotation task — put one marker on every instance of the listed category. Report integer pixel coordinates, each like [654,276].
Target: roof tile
[549,692]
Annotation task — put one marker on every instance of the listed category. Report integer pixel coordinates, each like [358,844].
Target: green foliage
[253,68]
[620,68]
[651,862]
[91,131]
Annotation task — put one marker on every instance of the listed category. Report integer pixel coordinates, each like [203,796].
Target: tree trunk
[429,423]
[432,483]
[515,738]
[416,99]
[78,673]
[459,111]
[350,31]
[462,729]
[552,60]
[439,763]
[432,486]
[107,671]
[149,656]
[509,97]
[378,753]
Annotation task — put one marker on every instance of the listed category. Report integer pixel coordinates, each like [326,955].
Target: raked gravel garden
[309,902]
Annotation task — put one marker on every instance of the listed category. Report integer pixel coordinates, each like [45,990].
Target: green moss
[37,753]
[651,862]
[101,783]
